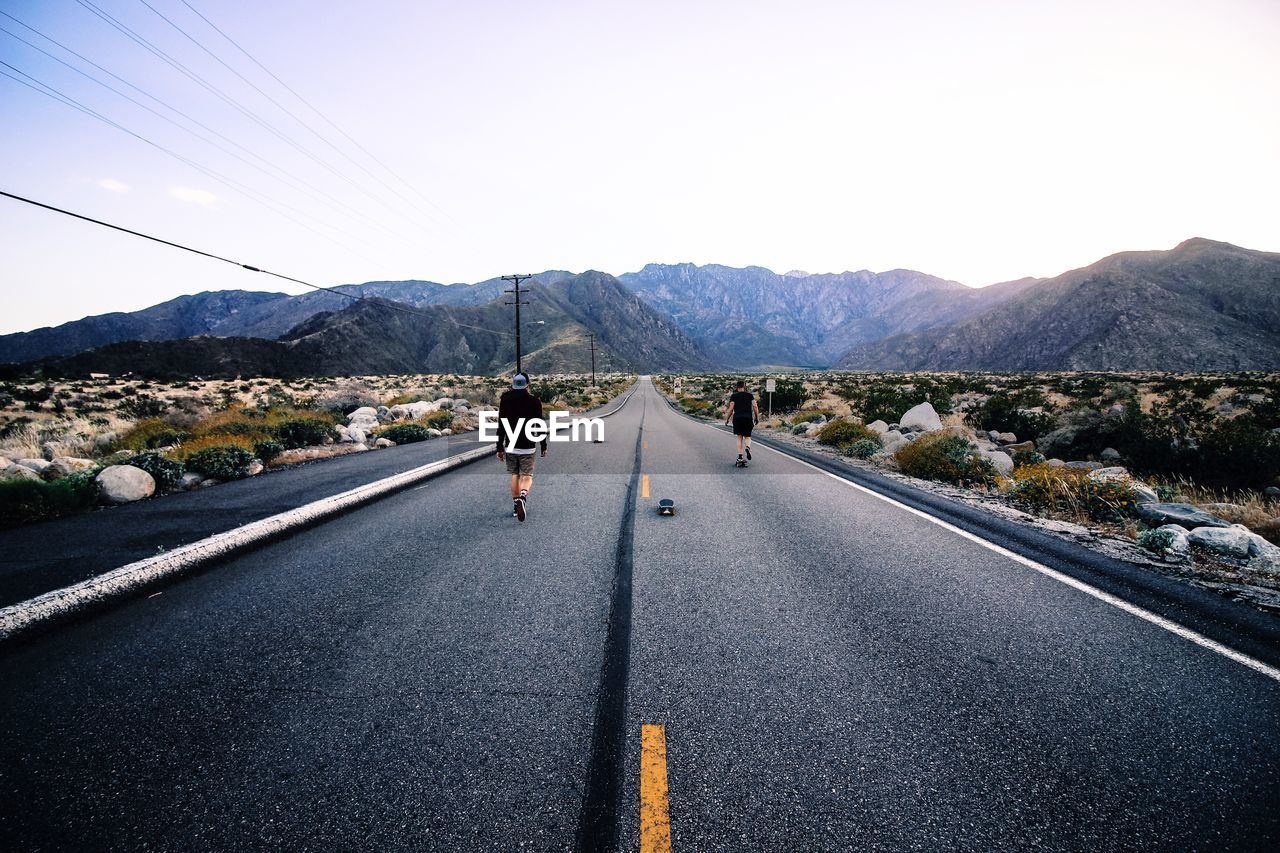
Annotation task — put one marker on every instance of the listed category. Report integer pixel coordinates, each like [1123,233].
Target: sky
[977,141]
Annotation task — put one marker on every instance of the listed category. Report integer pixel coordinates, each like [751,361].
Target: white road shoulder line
[1132,609]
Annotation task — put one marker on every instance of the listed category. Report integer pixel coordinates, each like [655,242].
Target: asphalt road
[831,672]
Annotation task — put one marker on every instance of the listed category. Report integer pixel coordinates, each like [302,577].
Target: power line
[317,111]
[249,192]
[396,306]
[321,196]
[217,92]
[285,109]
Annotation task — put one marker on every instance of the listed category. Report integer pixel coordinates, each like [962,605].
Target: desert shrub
[946,457]
[1004,413]
[809,417]
[183,452]
[1238,452]
[13,427]
[863,448]
[694,406]
[1045,488]
[141,407]
[843,433]
[1027,457]
[1157,541]
[26,501]
[302,432]
[788,395]
[267,449]
[149,434]
[166,472]
[888,402]
[443,418]
[225,462]
[405,433]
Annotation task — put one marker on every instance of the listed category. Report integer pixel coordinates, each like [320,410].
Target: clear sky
[978,141]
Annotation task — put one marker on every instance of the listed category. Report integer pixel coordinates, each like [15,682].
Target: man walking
[744,414]
[516,408]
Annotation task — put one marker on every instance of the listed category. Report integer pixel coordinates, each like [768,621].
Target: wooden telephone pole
[515,281]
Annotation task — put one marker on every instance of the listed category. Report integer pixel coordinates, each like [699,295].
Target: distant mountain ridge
[1202,305]
[373,335]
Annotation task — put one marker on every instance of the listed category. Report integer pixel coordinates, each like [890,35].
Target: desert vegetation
[57,437]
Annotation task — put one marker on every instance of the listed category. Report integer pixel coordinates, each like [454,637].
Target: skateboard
[666,506]
[740,463]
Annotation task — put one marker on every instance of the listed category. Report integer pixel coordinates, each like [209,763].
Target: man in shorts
[516,408]
[744,414]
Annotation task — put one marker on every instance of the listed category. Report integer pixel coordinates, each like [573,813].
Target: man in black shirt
[743,413]
[516,408]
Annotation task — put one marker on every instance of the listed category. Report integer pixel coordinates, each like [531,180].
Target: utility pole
[515,280]
[592,336]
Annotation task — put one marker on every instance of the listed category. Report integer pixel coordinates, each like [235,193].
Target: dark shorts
[521,463]
[742,426]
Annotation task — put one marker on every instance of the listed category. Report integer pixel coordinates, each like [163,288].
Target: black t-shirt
[516,407]
[742,401]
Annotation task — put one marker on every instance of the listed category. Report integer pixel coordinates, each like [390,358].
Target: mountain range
[1203,305]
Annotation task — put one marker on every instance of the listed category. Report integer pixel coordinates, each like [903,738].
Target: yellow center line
[644,485]
[655,816]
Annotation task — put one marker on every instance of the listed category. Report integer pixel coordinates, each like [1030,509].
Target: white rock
[189,481]
[878,427]
[17,472]
[61,466]
[1002,461]
[361,447]
[356,435]
[204,484]
[384,442]
[1055,463]
[1179,544]
[363,412]
[432,432]
[1109,454]
[1230,541]
[255,468]
[122,484]
[1006,438]
[922,416]
[446,432]
[37,465]
[892,440]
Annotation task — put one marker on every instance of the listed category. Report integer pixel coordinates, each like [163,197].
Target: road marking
[644,486]
[1106,597]
[646,445]
[655,816]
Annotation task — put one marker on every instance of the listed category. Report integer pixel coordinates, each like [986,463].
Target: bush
[1005,414]
[267,449]
[183,452]
[844,433]
[946,457]
[149,434]
[1157,541]
[164,471]
[694,406]
[443,418]
[405,433]
[809,417]
[25,501]
[302,432]
[1027,457]
[863,448]
[227,462]
[142,407]
[788,395]
[1045,488]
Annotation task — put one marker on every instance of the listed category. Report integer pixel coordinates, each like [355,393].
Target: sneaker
[520,510]
[748,452]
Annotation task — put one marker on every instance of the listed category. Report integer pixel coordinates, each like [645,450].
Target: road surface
[829,672]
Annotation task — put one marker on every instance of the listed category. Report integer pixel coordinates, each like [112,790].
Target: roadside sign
[771,385]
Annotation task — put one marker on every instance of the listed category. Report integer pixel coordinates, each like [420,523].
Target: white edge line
[1132,609]
[17,618]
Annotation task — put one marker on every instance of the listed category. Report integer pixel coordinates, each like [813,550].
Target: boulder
[1006,438]
[360,448]
[1055,463]
[432,432]
[61,466]
[363,412]
[1115,472]
[922,416]
[1083,465]
[880,428]
[356,435]
[1227,541]
[1019,446]
[255,468]
[993,435]
[446,432]
[17,472]
[413,411]
[1179,544]
[1173,513]
[189,481]
[891,441]
[1272,492]
[204,484]
[384,442]
[1109,454]
[37,465]
[122,484]
[1002,461]
[1143,494]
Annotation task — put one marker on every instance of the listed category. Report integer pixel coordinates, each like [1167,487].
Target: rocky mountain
[753,317]
[1203,305]
[209,313]
[376,335]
